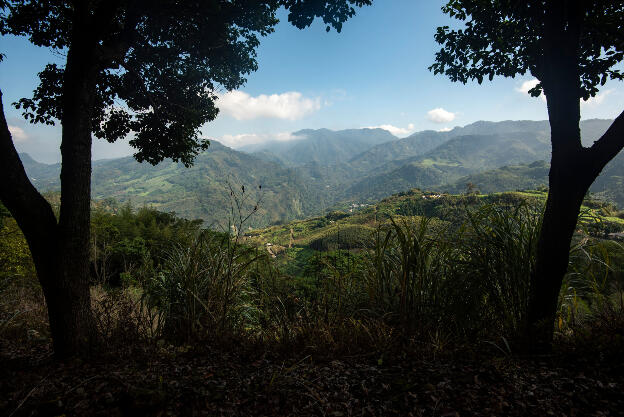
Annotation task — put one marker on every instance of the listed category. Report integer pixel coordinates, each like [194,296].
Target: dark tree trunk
[61,250]
[58,262]
[68,297]
[560,79]
[568,184]
[573,168]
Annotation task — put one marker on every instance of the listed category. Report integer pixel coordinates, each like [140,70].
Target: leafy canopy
[158,64]
[506,37]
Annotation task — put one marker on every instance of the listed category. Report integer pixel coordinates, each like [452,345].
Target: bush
[336,215]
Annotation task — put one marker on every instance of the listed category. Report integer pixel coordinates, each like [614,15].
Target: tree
[571,47]
[150,68]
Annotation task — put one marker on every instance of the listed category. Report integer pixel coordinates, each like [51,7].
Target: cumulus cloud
[440,115]
[527,85]
[445,129]
[596,100]
[396,131]
[18,134]
[592,102]
[290,105]
[236,141]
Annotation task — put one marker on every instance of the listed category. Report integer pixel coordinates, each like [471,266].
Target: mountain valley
[322,168]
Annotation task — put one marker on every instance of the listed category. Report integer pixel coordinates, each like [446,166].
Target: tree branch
[608,146]
[32,212]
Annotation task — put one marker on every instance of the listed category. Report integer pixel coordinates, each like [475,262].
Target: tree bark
[573,167]
[69,303]
[61,250]
[66,290]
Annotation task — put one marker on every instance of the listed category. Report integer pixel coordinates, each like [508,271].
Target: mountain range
[318,169]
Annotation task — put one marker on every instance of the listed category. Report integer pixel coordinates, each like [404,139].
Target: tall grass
[416,280]
[469,281]
[406,272]
[202,288]
[498,254]
[419,279]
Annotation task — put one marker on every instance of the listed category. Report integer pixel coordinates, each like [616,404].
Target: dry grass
[23,312]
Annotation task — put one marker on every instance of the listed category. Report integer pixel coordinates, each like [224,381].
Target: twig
[81,384]
[29,394]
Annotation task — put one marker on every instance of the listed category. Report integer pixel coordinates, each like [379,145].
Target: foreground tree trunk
[61,250]
[58,261]
[573,169]
[72,320]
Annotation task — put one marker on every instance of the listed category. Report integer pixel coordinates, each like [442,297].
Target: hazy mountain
[477,147]
[297,180]
[610,184]
[322,146]
[407,176]
[422,142]
[453,159]
[413,145]
[43,176]
[202,190]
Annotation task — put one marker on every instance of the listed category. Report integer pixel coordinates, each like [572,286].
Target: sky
[372,74]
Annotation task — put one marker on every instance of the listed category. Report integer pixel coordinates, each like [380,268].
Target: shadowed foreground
[174,382]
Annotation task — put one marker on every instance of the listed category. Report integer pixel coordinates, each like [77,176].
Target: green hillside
[478,149]
[414,145]
[422,142]
[512,177]
[453,159]
[293,244]
[297,180]
[202,190]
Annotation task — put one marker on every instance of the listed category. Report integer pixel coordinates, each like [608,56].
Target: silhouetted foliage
[148,68]
[571,48]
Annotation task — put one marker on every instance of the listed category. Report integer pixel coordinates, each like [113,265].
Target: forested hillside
[201,191]
[304,177]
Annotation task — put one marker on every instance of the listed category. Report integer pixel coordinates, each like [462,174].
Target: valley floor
[174,382]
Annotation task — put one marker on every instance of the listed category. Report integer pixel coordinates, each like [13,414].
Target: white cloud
[236,141]
[445,129]
[18,134]
[440,115]
[527,85]
[596,100]
[290,105]
[592,102]
[396,131]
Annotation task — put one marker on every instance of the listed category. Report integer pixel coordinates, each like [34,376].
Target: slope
[202,190]
[322,146]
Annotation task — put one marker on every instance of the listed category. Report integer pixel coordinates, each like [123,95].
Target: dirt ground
[178,381]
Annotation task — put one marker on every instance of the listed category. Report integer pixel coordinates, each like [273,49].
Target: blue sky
[372,74]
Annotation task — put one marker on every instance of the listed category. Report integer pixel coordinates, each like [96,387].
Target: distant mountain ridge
[477,147]
[200,191]
[307,176]
[322,146]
